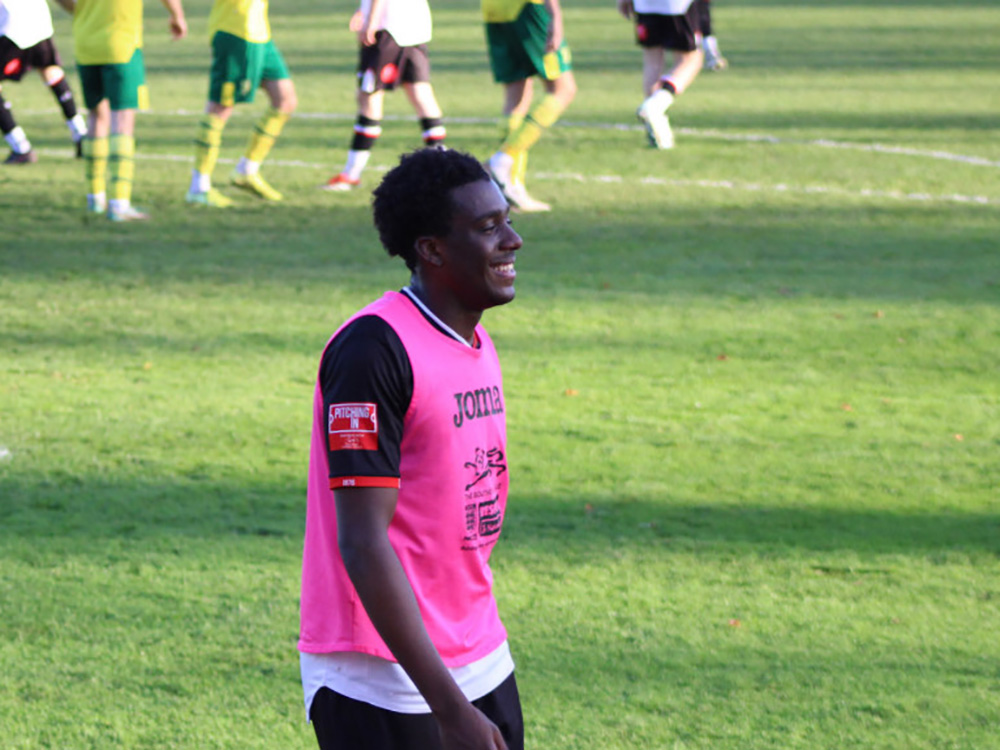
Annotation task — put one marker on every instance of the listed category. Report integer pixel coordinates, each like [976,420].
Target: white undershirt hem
[384,684]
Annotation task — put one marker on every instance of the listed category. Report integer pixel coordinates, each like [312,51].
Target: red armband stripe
[337,482]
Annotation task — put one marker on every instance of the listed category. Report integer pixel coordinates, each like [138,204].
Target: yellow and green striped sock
[206,145]
[95,161]
[121,163]
[265,133]
[508,126]
[542,117]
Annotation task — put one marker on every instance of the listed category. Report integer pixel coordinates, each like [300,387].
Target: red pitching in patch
[353,427]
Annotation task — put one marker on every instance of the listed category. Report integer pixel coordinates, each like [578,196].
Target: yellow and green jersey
[505,11]
[107,32]
[246,19]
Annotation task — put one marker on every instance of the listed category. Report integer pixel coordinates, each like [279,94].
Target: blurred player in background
[714,60]
[393,35]
[244,58]
[107,36]
[26,41]
[662,25]
[525,39]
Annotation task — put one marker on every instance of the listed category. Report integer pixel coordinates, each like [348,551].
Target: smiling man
[401,644]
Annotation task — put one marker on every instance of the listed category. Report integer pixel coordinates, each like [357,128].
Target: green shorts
[123,84]
[517,48]
[239,67]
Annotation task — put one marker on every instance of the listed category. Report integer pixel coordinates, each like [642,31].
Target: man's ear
[429,251]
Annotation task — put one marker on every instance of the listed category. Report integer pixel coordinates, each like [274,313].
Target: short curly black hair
[414,198]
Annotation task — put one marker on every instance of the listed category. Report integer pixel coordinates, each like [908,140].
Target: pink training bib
[452,496]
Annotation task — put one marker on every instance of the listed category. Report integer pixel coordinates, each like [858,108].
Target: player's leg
[121,166]
[509,163]
[377,72]
[367,129]
[687,65]
[517,101]
[20,147]
[416,78]
[277,83]
[678,34]
[225,79]
[511,68]
[505,166]
[425,104]
[558,95]
[526,130]
[55,78]
[12,67]
[125,86]
[45,59]
[709,44]
[653,66]
[651,36]
[560,89]
[96,142]
[206,155]
[284,101]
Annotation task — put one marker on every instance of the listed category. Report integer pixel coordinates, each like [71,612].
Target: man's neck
[461,322]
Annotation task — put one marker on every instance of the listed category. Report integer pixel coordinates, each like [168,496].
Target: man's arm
[363,516]
[178,24]
[366,34]
[555,39]
[625,8]
[68,5]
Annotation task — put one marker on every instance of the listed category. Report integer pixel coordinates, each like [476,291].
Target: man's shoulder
[367,347]
[365,332]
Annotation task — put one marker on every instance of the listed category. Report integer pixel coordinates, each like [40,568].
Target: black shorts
[14,61]
[678,33]
[385,63]
[342,723]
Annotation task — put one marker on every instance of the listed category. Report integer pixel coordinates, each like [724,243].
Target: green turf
[752,390]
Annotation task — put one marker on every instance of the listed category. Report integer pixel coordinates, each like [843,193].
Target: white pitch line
[876,148]
[981,200]
[752,187]
[747,187]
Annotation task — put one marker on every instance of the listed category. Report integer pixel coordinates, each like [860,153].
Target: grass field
[753,392]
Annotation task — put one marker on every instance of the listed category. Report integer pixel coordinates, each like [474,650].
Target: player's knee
[222,111]
[566,88]
[287,104]
[52,74]
[287,100]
